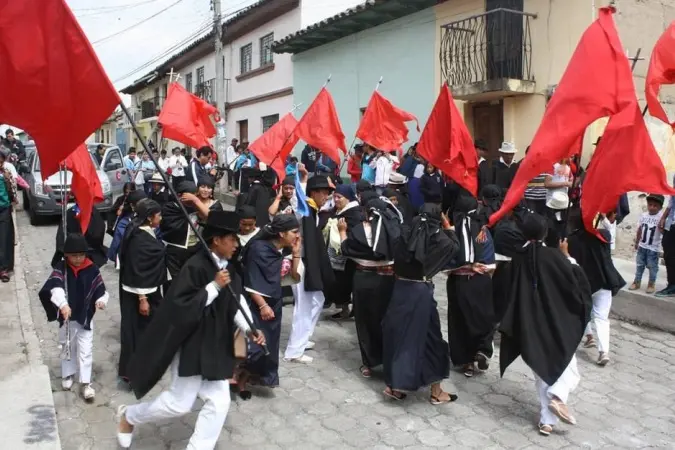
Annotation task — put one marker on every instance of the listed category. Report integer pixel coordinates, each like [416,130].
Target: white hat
[397,178]
[559,200]
[156,178]
[508,147]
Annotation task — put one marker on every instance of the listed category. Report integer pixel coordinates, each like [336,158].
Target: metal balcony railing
[207,90]
[485,47]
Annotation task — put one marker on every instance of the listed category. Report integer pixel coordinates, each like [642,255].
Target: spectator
[325,166]
[354,164]
[648,243]
[668,246]
[383,165]
[163,162]
[100,153]
[431,185]
[245,162]
[177,164]
[198,165]
[292,167]
[14,145]
[231,155]
[130,163]
[309,157]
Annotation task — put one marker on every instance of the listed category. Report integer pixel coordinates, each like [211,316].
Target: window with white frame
[246,58]
[269,121]
[266,55]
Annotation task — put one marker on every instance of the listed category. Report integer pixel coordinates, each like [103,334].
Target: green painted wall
[401,51]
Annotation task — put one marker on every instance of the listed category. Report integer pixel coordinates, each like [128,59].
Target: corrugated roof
[353,20]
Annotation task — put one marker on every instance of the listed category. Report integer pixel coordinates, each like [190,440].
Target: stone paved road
[327,405]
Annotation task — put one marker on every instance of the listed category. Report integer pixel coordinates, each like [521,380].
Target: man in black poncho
[259,197]
[181,242]
[97,252]
[545,320]
[193,333]
[317,274]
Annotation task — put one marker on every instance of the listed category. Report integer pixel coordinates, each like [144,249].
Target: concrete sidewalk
[639,307]
[27,415]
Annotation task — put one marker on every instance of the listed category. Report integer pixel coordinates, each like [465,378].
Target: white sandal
[123,439]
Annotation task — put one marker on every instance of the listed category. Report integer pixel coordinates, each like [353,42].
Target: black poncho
[94,236]
[595,257]
[548,311]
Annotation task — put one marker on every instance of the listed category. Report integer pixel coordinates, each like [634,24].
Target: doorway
[488,126]
[243,131]
[505,39]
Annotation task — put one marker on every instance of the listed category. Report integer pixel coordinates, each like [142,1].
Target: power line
[128,5]
[206,27]
[136,24]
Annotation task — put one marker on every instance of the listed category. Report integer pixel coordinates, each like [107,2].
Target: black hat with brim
[75,243]
[186,187]
[136,196]
[221,223]
[318,182]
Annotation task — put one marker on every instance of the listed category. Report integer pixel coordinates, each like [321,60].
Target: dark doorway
[504,39]
[488,126]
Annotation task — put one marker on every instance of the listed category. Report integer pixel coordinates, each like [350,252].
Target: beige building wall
[555,34]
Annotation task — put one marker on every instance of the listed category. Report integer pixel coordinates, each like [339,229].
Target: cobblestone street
[328,405]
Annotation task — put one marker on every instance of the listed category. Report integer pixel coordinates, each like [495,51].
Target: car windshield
[37,162]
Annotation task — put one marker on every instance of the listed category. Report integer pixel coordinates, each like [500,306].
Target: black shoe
[667,292]
[482,361]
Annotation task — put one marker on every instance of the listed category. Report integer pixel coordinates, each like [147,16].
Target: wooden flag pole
[196,232]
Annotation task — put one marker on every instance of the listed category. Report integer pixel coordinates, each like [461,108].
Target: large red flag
[625,160]
[320,128]
[267,148]
[384,125]
[661,71]
[597,83]
[85,184]
[447,144]
[52,83]
[186,118]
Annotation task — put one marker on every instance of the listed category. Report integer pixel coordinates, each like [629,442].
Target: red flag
[186,118]
[85,184]
[384,125]
[447,144]
[320,128]
[267,148]
[661,71]
[597,83]
[625,160]
[53,85]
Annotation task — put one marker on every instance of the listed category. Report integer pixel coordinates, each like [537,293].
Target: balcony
[151,107]
[207,91]
[488,56]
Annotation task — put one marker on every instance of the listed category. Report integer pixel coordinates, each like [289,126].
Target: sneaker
[310,345]
[67,383]
[603,359]
[482,361]
[667,292]
[88,392]
[304,359]
[634,287]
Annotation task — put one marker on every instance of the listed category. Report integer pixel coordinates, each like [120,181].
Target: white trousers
[567,382]
[602,303]
[306,312]
[178,401]
[81,346]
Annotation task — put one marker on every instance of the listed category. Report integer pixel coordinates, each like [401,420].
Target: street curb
[43,426]
[644,309]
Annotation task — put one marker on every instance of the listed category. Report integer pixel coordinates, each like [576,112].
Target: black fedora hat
[75,243]
[318,182]
[221,223]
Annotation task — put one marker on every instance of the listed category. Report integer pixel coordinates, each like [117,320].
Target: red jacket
[354,168]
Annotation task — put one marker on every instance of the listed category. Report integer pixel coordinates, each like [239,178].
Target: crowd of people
[369,247]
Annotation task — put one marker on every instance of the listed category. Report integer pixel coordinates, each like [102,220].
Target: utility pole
[220,75]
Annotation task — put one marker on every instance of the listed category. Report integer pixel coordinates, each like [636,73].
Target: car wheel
[34,218]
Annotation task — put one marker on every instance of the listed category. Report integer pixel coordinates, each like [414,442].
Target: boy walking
[648,243]
[75,311]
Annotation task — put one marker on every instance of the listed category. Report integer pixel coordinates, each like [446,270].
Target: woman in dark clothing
[142,275]
[371,244]
[120,208]
[346,207]
[471,323]
[431,185]
[414,352]
[262,283]
[122,222]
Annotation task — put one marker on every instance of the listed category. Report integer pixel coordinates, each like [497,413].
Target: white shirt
[611,227]
[177,165]
[163,164]
[650,236]
[230,155]
[244,238]
[212,291]
[382,165]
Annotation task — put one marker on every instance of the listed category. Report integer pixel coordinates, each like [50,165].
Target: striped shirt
[536,190]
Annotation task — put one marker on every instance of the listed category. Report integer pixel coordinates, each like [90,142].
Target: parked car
[44,198]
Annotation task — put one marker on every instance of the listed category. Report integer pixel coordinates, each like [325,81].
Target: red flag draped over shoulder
[597,83]
[186,118]
[267,148]
[384,125]
[447,144]
[661,71]
[320,128]
[85,184]
[53,85]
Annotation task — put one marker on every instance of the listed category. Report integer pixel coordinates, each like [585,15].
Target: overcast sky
[131,49]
